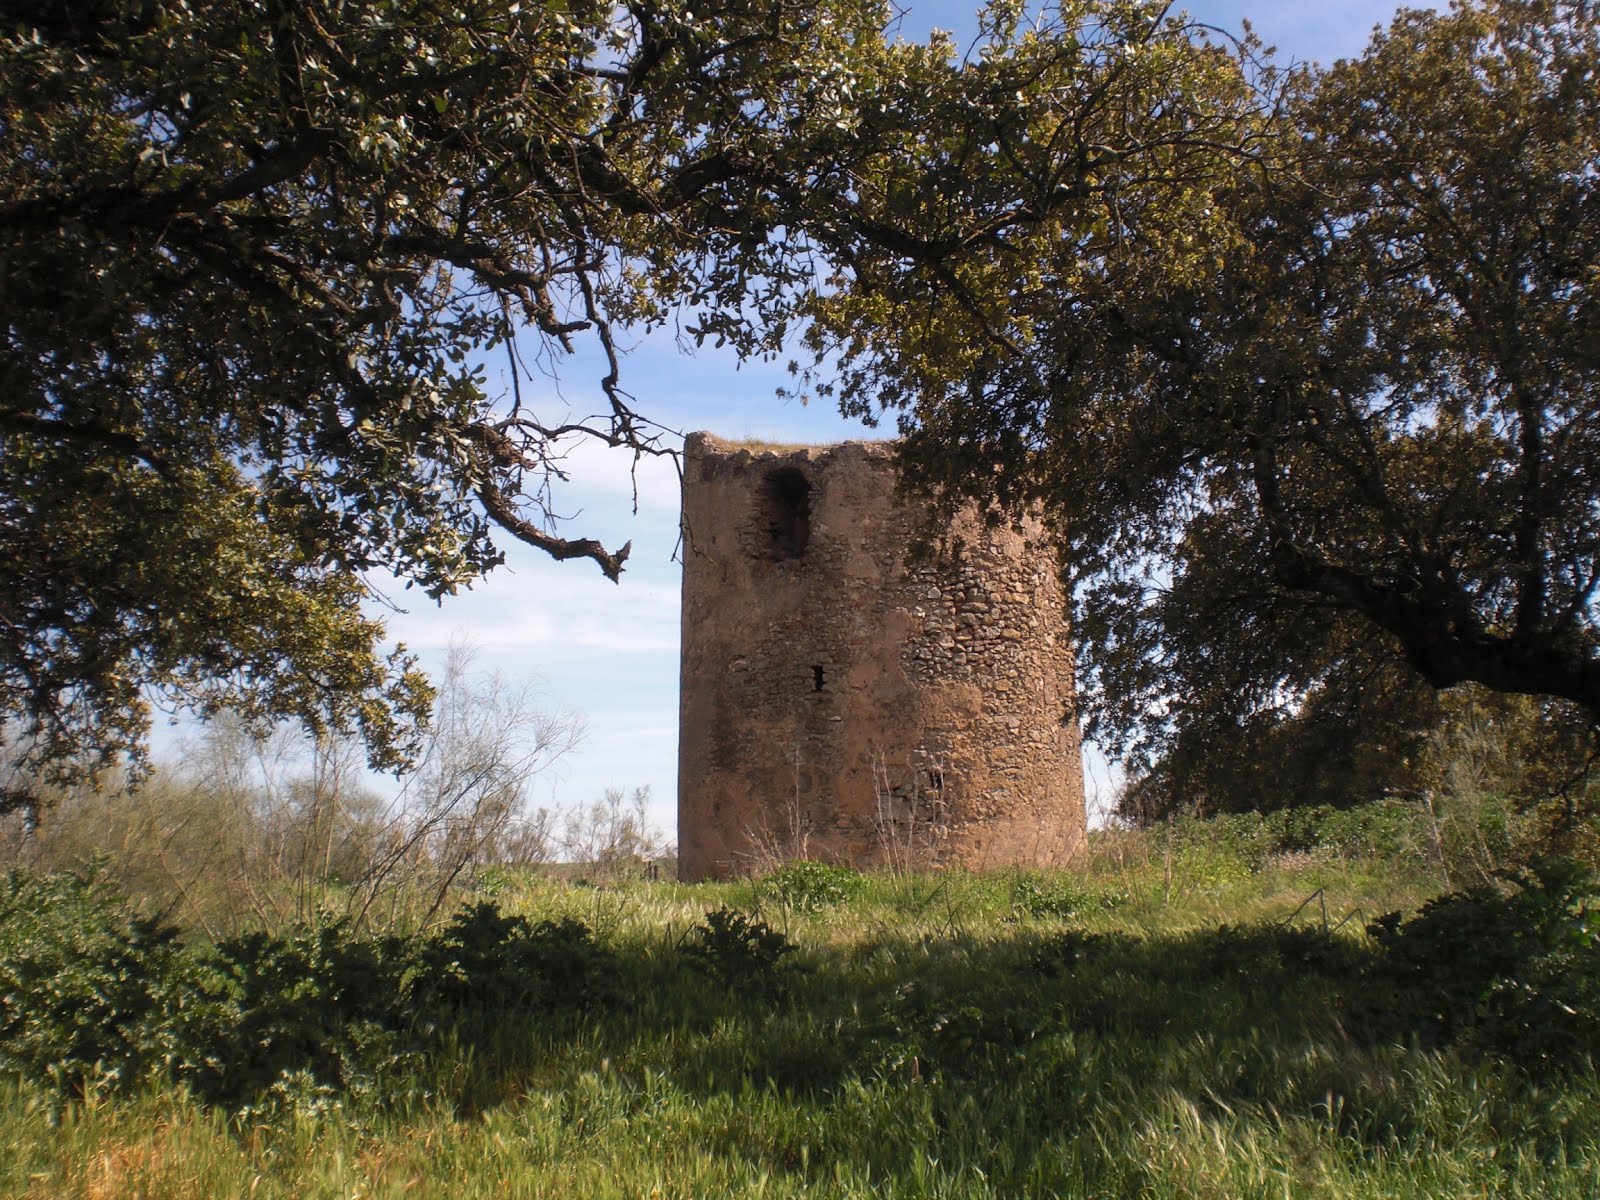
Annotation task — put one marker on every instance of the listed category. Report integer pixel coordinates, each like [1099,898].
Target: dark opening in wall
[817,679]
[784,515]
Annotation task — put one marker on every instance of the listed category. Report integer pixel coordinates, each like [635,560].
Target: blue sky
[609,652]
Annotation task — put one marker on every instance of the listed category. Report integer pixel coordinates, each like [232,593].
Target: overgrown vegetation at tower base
[1199,1012]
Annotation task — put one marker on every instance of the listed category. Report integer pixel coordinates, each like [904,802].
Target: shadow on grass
[1045,1053]
[990,1058]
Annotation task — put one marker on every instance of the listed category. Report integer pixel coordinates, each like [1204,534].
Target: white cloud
[535,604]
[600,472]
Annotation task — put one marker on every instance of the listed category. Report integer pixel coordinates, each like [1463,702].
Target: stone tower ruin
[840,702]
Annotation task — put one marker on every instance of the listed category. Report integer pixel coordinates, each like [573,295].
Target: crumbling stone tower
[838,703]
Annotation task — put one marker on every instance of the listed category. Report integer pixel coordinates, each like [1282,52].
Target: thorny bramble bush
[86,986]
[485,961]
[1512,969]
[1060,897]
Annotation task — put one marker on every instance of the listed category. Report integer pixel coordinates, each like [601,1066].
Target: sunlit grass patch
[1118,1030]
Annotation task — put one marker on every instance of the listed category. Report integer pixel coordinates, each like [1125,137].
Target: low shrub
[808,887]
[1387,829]
[94,996]
[86,985]
[739,951]
[1061,896]
[1513,969]
[320,1004]
[484,961]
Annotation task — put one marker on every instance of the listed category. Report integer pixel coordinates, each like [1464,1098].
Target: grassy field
[1169,1021]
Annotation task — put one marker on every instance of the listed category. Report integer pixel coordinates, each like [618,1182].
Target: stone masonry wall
[838,703]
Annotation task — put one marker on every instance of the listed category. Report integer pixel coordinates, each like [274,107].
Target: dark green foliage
[741,952]
[1382,830]
[1401,831]
[1028,1027]
[1314,414]
[1257,977]
[321,1002]
[486,962]
[953,1050]
[1513,971]
[929,1028]
[1391,737]
[256,261]
[1060,896]
[86,986]
[93,995]
[340,1009]
[807,886]
[1358,735]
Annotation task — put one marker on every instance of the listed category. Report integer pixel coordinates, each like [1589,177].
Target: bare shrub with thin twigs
[266,829]
[613,836]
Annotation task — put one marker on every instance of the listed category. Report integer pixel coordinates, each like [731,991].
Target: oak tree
[262,264]
[1310,388]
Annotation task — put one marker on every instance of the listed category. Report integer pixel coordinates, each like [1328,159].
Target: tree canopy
[1302,362]
[257,258]
[260,264]
[1310,391]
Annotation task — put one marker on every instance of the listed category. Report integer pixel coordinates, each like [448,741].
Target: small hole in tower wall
[817,678]
[784,515]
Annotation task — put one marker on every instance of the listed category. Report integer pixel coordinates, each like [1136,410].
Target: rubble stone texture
[841,701]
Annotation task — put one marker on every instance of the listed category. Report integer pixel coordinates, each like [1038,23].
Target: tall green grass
[1174,1019]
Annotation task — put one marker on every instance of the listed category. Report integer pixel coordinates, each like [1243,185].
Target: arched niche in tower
[783,515]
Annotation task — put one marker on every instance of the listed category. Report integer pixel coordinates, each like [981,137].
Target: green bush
[321,1004]
[741,952]
[95,996]
[1060,896]
[1515,971]
[1227,846]
[86,985]
[808,887]
[333,1012]
[1386,829]
[1199,868]
[1460,834]
[486,962]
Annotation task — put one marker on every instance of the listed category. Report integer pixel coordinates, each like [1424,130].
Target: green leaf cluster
[739,951]
[1299,362]
[97,998]
[1513,969]
[258,266]
[806,886]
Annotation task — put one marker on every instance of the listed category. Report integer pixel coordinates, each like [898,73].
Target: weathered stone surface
[838,702]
